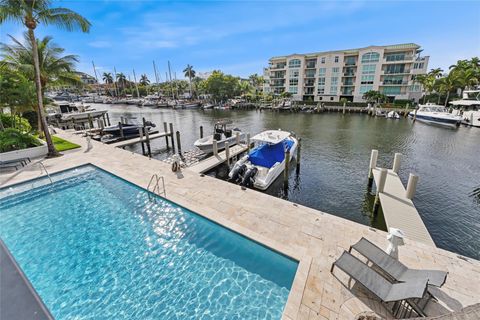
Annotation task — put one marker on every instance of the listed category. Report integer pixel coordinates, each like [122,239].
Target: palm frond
[64,18]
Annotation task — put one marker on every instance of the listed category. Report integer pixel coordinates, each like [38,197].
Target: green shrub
[13,139]
[10,121]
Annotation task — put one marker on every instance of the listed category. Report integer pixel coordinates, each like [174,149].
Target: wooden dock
[129,142]
[213,161]
[398,210]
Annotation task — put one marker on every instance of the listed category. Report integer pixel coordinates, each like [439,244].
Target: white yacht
[393,115]
[434,114]
[63,111]
[468,108]
[221,133]
[263,164]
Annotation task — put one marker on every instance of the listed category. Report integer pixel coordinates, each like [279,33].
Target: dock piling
[396,162]
[287,164]
[237,138]
[411,186]
[248,142]
[380,187]
[415,115]
[373,165]
[298,152]
[171,136]
[120,128]
[201,132]
[215,147]
[90,121]
[142,131]
[179,145]
[108,119]
[165,129]
[227,152]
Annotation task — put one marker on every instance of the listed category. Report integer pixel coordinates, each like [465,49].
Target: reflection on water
[335,157]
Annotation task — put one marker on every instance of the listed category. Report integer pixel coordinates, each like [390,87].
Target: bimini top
[465,102]
[266,155]
[271,136]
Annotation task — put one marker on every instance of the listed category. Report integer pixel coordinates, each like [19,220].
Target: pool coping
[292,305]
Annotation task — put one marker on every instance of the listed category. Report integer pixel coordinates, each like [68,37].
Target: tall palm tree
[54,67]
[31,13]
[121,79]
[144,80]
[189,73]
[107,78]
[448,84]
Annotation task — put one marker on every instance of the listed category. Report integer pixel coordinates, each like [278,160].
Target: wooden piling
[165,129]
[90,121]
[373,165]
[201,132]
[147,139]
[411,186]
[237,138]
[215,148]
[415,115]
[108,119]
[122,120]
[396,162]
[298,152]
[380,187]
[179,145]
[172,139]
[120,128]
[248,142]
[287,164]
[227,152]
[141,130]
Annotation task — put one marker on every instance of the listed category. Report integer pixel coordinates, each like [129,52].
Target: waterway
[335,157]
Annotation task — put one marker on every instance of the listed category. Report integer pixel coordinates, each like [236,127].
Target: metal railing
[48,174]
[155,179]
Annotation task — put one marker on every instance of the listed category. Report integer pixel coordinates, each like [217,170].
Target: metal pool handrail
[48,174]
[156,188]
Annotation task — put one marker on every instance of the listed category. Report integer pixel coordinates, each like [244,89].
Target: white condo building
[332,75]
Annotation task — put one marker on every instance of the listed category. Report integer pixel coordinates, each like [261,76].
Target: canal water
[335,157]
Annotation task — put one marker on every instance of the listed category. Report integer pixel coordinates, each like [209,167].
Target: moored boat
[221,133]
[468,108]
[434,114]
[263,164]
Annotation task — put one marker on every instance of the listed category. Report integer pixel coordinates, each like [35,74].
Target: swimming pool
[96,246]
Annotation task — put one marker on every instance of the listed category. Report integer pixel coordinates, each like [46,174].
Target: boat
[208,106]
[130,130]
[393,115]
[221,133]
[64,111]
[263,164]
[434,114]
[468,108]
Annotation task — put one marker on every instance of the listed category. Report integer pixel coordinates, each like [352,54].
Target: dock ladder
[154,185]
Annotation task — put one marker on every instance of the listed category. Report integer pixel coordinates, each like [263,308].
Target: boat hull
[452,123]
[206,144]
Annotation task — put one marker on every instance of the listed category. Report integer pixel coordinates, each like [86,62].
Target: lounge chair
[396,270]
[408,292]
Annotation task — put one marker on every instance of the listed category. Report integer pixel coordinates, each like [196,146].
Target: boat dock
[396,200]
[218,158]
[139,139]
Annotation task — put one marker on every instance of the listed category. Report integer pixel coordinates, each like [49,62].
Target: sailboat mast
[170,74]
[115,81]
[156,78]
[96,78]
[136,85]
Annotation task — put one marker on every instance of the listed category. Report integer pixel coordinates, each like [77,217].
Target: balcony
[349,74]
[347,84]
[406,71]
[394,83]
[310,66]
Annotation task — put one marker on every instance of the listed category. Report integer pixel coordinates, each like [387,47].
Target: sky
[238,37]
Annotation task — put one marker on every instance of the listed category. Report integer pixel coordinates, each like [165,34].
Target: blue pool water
[95,246]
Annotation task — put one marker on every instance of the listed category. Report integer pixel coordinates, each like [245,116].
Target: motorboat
[434,114]
[64,111]
[149,103]
[468,108]
[130,130]
[266,161]
[208,106]
[221,133]
[393,115]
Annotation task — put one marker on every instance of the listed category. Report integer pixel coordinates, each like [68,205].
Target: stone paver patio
[314,238]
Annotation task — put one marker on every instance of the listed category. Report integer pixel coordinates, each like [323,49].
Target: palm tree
[448,84]
[189,73]
[144,80]
[31,13]
[121,79]
[107,78]
[53,67]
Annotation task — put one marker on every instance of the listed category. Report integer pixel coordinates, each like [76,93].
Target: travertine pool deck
[314,238]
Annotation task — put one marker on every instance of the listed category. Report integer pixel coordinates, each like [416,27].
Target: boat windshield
[433,109]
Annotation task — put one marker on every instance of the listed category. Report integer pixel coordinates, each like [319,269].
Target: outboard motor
[150,124]
[237,172]
[249,177]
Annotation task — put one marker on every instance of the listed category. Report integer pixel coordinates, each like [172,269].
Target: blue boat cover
[266,155]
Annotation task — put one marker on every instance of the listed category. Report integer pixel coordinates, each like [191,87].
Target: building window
[293,89]
[370,57]
[322,60]
[333,90]
[366,88]
[418,65]
[393,80]
[321,81]
[349,61]
[392,90]
[294,73]
[336,59]
[399,56]
[395,68]
[293,82]
[331,98]
[294,63]
[335,71]
[368,69]
[367,79]
[322,72]
[334,81]
[310,74]
[348,81]
[321,90]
